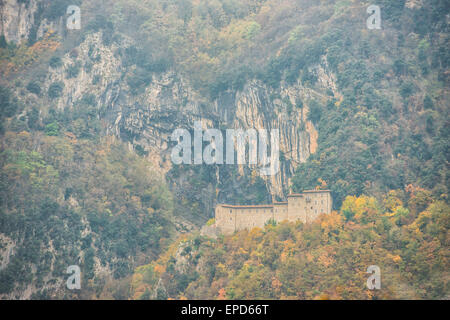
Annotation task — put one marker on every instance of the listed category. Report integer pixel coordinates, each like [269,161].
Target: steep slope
[359,112]
[70,202]
[326,259]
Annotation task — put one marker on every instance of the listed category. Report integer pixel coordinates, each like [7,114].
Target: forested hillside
[67,201]
[86,117]
[406,235]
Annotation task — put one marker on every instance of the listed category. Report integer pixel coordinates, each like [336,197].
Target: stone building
[305,206]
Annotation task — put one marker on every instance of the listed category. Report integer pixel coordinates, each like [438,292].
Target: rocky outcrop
[16,19]
[21,21]
[169,102]
[146,120]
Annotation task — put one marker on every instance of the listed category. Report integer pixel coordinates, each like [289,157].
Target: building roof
[307,191]
[271,205]
[246,207]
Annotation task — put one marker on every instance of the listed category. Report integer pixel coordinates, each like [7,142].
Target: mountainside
[326,259]
[87,117]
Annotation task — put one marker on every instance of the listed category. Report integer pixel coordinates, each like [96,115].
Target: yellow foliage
[159,269]
[325,259]
[392,200]
[397,259]
[361,207]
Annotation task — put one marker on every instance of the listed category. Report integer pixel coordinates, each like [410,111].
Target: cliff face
[16,19]
[169,103]
[147,119]
[22,20]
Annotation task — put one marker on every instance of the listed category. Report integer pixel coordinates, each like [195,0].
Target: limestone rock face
[169,103]
[20,21]
[146,120]
[16,19]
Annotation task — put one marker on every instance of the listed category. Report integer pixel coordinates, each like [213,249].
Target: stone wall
[304,207]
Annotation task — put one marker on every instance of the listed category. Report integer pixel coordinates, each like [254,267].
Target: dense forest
[406,235]
[80,185]
[68,202]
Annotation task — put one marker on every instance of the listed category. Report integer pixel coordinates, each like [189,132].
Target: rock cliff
[147,119]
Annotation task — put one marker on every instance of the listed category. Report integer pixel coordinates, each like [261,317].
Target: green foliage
[271,222]
[106,189]
[33,119]
[374,136]
[57,9]
[52,129]
[315,111]
[55,62]
[73,71]
[8,106]
[8,103]
[3,43]
[427,102]
[139,80]
[406,90]
[34,87]
[55,90]
[299,261]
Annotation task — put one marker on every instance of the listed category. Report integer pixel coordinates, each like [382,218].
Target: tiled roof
[271,205]
[246,207]
[307,191]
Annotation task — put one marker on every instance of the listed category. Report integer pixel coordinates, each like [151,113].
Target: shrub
[8,103]
[3,43]
[52,129]
[427,102]
[55,62]
[89,99]
[55,90]
[315,111]
[406,90]
[34,87]
[73,71]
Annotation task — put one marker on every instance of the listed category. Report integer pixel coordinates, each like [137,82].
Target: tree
[55,90]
